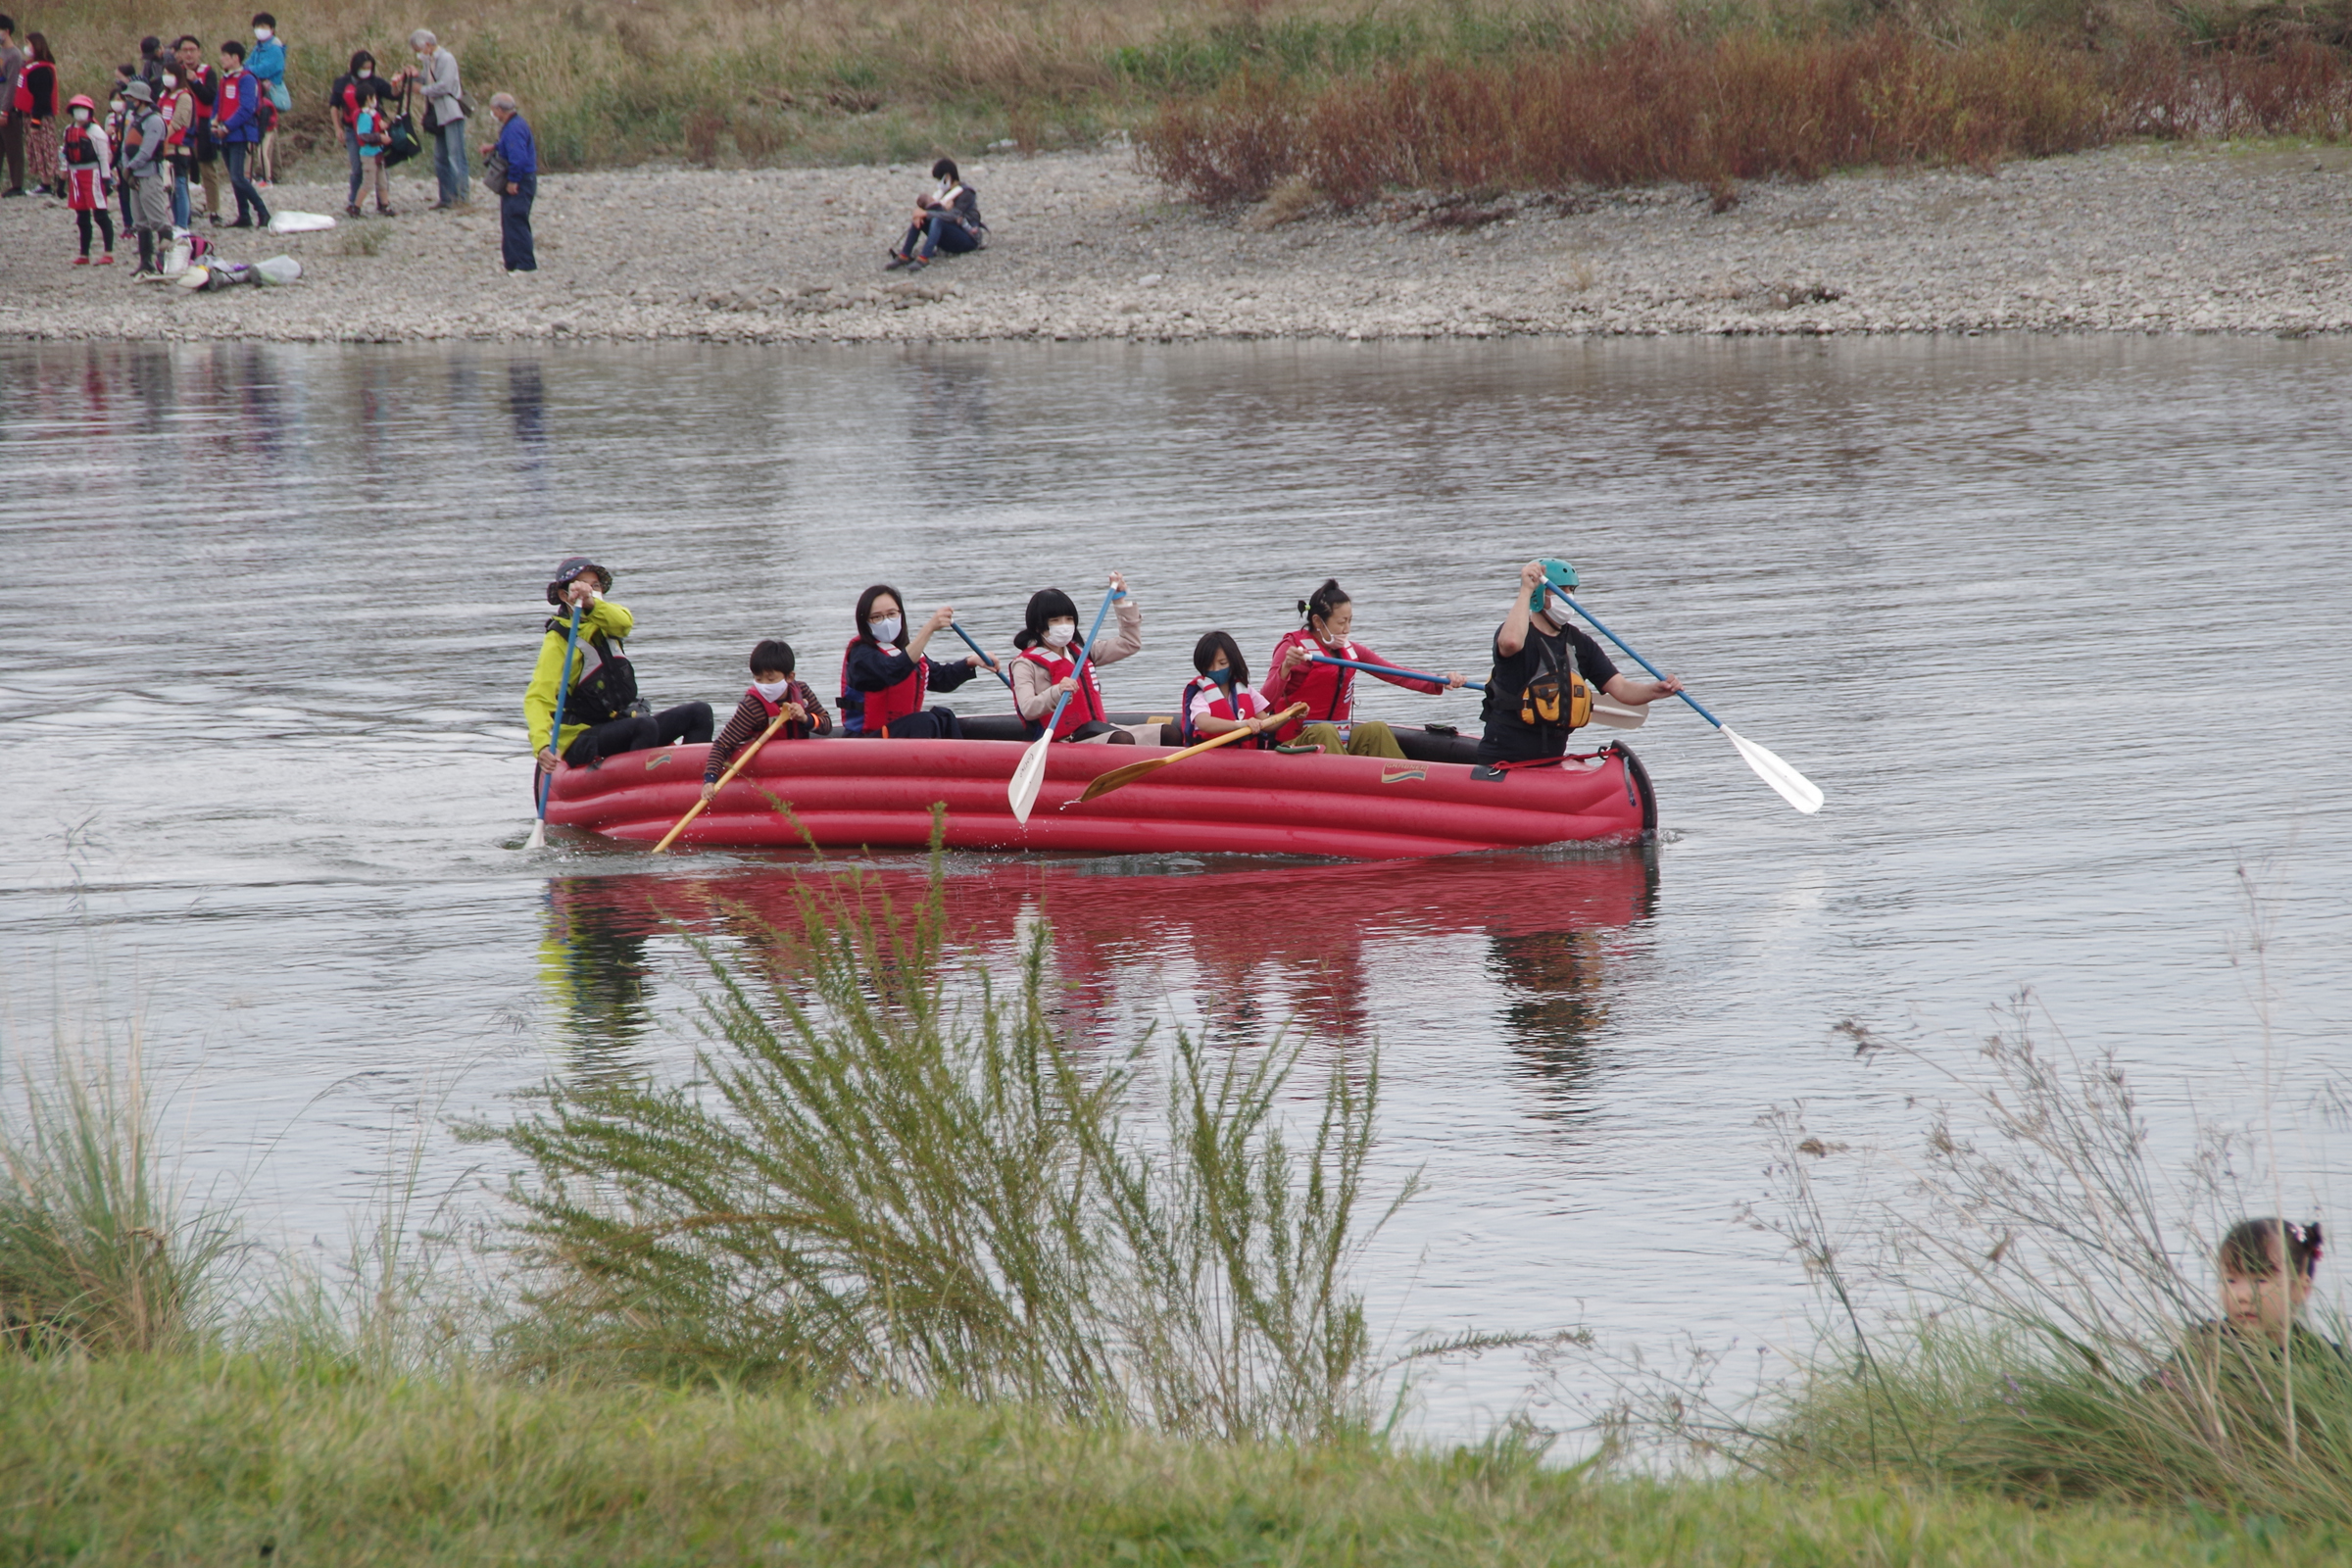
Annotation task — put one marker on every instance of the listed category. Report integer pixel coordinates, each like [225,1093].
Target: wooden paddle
[724,779]
[1118,777]
[555,733]
[1021,794]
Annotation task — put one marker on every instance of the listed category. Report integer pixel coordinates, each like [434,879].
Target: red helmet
[80,99]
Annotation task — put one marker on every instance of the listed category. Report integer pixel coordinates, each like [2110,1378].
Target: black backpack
[608,689]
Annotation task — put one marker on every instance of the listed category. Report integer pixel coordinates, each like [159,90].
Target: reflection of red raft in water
[879,794]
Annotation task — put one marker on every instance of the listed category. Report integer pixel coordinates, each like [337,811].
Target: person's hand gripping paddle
[1032,772]
[783,717]
[1790,785]
[555,731]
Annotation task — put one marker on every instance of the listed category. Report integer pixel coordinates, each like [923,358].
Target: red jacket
[1328,690]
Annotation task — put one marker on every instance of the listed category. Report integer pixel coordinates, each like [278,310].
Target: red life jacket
[1223,705]
[794,692]
[224,101]
[1085,706]
[1327,690]
[173,135]
[80,151]
[891,702]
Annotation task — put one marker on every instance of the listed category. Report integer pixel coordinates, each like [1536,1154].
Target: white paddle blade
[1027,777]
[538,835]
[1616,715]
[1790,785]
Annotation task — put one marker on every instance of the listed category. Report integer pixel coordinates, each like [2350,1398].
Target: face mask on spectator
[171,81]
[82,117]
[261,34]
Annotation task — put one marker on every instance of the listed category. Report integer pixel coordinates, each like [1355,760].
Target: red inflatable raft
[879,794]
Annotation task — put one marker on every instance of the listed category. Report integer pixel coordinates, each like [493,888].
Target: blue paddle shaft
[1054,719]
[982,652]
[555,731]
[1391,669]
[1638,660]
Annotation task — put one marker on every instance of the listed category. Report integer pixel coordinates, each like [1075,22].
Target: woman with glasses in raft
[887,676]
[1328,690]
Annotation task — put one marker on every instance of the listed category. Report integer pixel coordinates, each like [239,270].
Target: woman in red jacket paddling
[1328,690]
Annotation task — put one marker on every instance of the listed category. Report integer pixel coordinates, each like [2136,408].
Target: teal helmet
[1556,574]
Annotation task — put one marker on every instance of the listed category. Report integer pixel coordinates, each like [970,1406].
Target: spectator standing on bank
[117,120]
[436,76]
[144,165]
[514,160]
[237,128]
[202,87]
[12,127]
[35,103]
[85,166]
[152,64]
[267,61]
[373,132]
[349,98]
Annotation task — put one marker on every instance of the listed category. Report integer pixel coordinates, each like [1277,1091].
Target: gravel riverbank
[2125,240]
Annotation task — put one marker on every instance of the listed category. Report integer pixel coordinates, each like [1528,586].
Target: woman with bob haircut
[886,677]
[1048,666]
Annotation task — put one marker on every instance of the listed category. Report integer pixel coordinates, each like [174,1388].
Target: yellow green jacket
[539,702]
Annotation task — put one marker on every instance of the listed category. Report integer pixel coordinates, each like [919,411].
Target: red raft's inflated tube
[879,794]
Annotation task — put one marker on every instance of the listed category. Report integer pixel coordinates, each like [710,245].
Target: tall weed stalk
[885,1179]
[100,1251]
[2030,1311]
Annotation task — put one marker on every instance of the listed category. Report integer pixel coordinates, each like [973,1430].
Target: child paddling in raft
[1048,665]
[773,691]
[1328,690]
[1219,701]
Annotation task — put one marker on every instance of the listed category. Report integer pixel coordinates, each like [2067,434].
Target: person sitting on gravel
[946,218]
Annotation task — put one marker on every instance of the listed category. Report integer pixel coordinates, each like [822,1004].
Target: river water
[2060,626]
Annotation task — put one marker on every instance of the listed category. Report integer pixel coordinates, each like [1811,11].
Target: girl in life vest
[1328,690]
[1219,700]
[887,677]
[1048,666]
[85,161]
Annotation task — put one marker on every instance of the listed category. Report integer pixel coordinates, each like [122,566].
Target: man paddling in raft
[1545,670]
[601,715]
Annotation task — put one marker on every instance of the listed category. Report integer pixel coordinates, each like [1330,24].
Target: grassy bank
[193,1460]
[1231,102]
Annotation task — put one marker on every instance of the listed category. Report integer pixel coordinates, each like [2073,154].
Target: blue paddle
[1032,772]
[1790,785]
[1612,714]
[555,732]
[982,652]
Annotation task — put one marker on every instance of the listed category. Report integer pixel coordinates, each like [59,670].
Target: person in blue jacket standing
[519,152]
[236,126]
[268,61]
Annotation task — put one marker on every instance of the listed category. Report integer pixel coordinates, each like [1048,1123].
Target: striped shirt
[751,718]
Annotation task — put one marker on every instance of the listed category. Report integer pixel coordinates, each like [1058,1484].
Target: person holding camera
[946,218]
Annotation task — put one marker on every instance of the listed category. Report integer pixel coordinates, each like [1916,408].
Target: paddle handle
[1638,660]
[982,652]
[724,779]
[555,730]
[1391,669]
[1085,656]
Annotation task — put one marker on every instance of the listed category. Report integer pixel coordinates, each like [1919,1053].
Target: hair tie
[1302,610]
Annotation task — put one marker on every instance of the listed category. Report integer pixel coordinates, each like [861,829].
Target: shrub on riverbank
[1509,90]
[1671,105]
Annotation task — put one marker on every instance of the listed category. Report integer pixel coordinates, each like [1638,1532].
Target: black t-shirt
[1508,739]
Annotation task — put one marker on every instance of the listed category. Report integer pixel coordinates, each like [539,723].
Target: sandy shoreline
[2129,239]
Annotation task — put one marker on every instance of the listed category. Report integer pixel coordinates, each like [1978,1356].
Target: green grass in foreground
[223,1460]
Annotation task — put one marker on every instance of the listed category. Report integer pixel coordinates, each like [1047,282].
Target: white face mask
[885,630]
[1060,633]
[773,689]
[114,106]
[1557,603]
[169,80]
[82,117]
[262,34]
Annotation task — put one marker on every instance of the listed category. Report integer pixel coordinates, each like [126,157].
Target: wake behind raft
[852,793]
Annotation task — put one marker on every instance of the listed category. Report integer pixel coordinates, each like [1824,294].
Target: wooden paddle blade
[1790,785]
[1105,783]
[1026,778]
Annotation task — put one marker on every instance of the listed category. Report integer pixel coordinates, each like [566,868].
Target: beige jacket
[1033,690]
